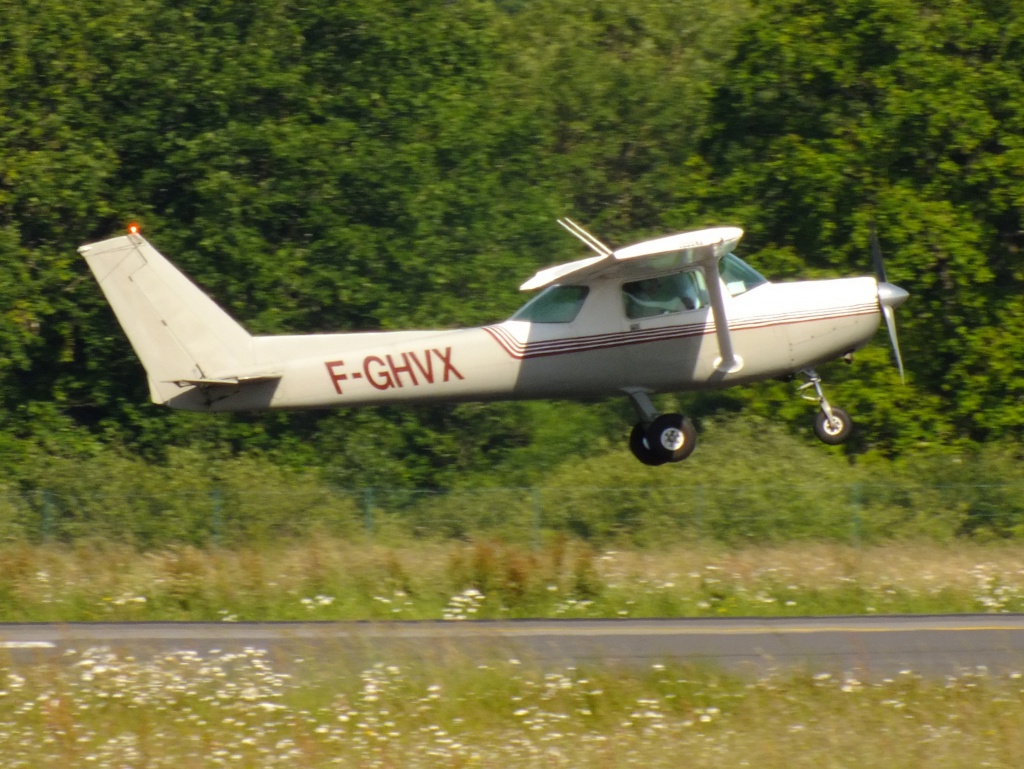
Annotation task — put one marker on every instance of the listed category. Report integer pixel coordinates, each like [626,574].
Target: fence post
[855,520]
[217,522]
[538,515]
[47,521]
[368,510]
[698,512]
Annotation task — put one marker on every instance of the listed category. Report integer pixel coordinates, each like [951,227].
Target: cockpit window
[665,294]
[739,276]
[555,304]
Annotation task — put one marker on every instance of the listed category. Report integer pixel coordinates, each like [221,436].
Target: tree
[902,116]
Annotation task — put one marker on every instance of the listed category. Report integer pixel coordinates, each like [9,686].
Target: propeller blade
[889,298]
[890,321]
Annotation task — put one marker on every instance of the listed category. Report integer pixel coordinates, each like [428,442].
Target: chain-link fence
[248,514]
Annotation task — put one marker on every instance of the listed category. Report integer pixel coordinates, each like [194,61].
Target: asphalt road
[873,647]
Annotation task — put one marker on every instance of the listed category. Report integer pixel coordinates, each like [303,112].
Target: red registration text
[404,369]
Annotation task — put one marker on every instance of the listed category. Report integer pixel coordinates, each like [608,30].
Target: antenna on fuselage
[589,240]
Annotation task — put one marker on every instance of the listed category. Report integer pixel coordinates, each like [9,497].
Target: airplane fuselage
[776,328]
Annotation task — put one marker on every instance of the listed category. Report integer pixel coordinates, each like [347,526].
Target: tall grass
[330,578]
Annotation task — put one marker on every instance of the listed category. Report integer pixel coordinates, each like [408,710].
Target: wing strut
[728,361]
[588,239]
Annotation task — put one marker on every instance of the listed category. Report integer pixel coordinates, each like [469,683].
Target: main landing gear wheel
[833,431]
[671,437]
[659,438]
[638,445]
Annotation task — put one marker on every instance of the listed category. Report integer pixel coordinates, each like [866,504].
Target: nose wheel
[660,438]
[832,425]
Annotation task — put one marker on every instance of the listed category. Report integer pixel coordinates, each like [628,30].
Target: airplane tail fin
[181,336]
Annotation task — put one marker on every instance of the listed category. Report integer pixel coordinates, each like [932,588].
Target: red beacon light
[133,229]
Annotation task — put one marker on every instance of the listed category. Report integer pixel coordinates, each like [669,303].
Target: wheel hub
[669,438]
[673,439]
[832,426]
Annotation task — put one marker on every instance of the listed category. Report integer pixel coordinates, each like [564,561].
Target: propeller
[889,298]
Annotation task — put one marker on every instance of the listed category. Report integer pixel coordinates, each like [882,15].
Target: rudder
[179,333]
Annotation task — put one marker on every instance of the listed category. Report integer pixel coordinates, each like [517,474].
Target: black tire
[671,437]
[833,434]
[638,445]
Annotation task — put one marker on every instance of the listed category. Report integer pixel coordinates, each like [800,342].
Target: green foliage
[739,487]
[901,115]
[752,482]
[318,166]
[192,499]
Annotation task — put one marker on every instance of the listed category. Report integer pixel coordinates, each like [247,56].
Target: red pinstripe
[521,351]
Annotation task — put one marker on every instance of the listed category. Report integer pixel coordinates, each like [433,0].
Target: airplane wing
[640,259]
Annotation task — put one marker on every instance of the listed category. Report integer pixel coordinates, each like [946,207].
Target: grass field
[95,709]
[337,579]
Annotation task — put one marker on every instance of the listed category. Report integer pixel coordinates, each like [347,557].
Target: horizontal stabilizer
[228,381]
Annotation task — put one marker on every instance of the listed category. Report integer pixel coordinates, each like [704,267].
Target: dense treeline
[324,166]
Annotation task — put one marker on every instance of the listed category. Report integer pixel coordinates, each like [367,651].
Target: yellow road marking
[656,630]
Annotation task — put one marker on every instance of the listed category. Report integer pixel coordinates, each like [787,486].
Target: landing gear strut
[832,425]
[660,438]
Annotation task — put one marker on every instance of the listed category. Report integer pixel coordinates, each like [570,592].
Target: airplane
[681,312]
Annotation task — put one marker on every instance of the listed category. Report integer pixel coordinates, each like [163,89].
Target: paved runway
[873,647]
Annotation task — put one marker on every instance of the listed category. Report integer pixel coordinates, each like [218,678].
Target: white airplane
[681,312]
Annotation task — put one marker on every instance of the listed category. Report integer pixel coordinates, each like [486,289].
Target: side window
[555,304]
[665,295]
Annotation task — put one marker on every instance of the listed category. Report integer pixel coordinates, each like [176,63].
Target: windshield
[555,304]
[739,276]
